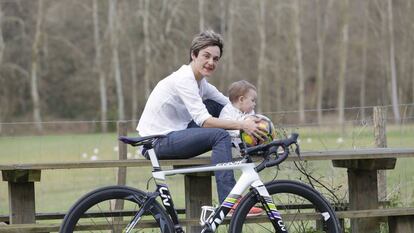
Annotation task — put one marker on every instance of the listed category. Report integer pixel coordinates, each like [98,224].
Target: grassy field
[59,189]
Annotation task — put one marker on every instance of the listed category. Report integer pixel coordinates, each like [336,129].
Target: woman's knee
[222,143]
[222,134]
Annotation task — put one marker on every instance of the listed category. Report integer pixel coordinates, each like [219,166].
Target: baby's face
[248,101]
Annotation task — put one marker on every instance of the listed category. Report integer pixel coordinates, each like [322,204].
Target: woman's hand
[251,127]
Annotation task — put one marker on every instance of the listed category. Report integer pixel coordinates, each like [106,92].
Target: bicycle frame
[249,177]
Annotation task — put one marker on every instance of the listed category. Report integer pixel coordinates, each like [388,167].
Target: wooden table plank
[402,211]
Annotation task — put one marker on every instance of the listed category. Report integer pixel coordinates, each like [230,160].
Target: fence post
[121,179]
[22,195]
[122,151]
[380,121]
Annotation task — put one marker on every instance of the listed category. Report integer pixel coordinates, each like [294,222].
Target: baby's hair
[239,88]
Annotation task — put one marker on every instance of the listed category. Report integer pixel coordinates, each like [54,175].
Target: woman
[175,108]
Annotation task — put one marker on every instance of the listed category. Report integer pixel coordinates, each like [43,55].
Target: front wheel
[302,208]
[110,209]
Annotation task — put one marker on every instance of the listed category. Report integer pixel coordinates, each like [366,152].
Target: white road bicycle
[126,209]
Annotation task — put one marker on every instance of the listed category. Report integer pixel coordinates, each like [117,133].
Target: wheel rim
[113,214]
[298,216]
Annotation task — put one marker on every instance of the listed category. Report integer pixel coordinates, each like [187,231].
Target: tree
[230,43]
[404,34]
[223,13]
[98,66]
[321,29]
[277,86]
[201,14]
[261,87]
[299,60]
[393,75]
[147,48]
[2,46]
[116,67]
[343,58]
[34,73]
[362,93]
[134,81]
[223,30]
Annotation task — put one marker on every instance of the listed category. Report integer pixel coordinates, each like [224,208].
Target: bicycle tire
[95,212]
[295,194]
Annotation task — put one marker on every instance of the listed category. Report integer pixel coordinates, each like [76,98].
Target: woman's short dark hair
[205,39]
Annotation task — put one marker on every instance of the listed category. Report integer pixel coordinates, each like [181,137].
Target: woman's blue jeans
[194,141]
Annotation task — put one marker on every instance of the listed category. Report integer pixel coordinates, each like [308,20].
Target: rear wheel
[302,208]
[110,209]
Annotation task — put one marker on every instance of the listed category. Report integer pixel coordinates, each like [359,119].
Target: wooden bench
[361,164]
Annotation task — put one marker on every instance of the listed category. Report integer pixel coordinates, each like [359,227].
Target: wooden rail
[359,154]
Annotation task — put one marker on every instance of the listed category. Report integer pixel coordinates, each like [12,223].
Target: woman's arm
[211,92]
[250,126]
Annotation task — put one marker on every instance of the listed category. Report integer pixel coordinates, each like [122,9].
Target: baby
[242,95]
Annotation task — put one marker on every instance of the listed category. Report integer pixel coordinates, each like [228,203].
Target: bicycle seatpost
[154,160]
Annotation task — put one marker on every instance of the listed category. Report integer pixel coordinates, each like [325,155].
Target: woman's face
[248,101]
[206,62]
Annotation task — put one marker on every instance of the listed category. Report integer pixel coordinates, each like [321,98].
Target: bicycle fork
[263,196]
[150,198]
[164,193]
[211,222]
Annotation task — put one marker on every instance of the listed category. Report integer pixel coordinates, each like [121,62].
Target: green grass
[59,189]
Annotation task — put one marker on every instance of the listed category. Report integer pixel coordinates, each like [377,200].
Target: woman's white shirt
[175,101]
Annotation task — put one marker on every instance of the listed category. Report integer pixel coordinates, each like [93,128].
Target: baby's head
[242,95]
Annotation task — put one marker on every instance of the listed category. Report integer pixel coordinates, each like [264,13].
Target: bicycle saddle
[140,141]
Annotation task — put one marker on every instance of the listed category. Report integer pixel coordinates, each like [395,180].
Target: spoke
[94,223]
[269,229]
[99,207]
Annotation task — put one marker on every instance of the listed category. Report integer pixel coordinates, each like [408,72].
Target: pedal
[206,213]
